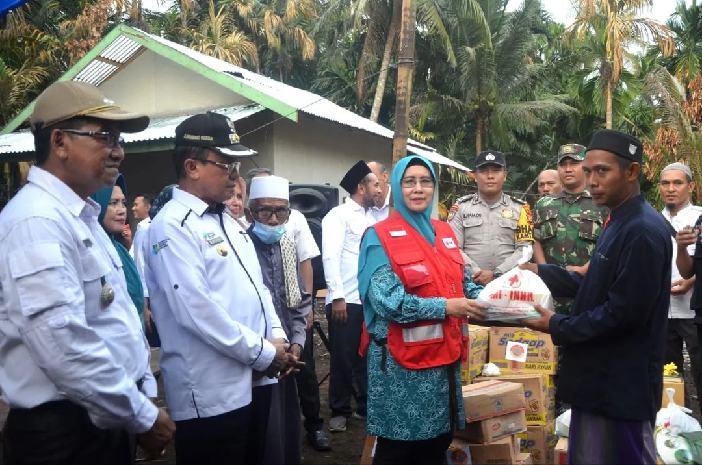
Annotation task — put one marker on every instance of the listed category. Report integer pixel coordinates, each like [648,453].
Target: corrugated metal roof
[159,129]
[123,49]
[109,61]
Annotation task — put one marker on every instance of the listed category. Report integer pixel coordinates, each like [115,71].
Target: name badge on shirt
[212,238]
[449,243]
[398,233]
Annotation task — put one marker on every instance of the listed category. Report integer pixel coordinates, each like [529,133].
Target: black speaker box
[314,201]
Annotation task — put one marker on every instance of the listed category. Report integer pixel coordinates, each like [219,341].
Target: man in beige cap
[74,362]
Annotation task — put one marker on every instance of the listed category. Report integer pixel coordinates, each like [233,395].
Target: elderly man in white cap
[676,187]
[270,210]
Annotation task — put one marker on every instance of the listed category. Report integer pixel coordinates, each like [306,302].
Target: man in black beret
[613,341]
[342,229]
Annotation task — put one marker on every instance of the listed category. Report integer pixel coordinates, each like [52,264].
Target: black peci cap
[618,143]
[354,176]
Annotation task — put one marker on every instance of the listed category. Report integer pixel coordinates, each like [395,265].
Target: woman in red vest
[413,288]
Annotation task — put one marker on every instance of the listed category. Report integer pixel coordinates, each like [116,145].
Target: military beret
[618,143]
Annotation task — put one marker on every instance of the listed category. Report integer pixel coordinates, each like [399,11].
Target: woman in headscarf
[113,217]
[411,280]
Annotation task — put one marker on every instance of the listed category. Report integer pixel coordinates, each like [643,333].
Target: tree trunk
[479,134]
[405,67]
[387,53]
[608,111]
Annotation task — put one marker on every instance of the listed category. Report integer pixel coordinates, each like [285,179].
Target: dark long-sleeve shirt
[612,344]
[293,319]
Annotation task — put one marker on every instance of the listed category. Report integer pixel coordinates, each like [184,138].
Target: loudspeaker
[314,201]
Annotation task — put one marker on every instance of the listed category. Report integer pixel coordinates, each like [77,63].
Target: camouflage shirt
[567,227]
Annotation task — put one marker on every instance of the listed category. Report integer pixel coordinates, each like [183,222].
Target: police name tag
[448,243]
[399,233]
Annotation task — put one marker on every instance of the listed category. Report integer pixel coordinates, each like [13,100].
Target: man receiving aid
[74,363]
[342,230]
[613,341]
[220,335]
[567,224]
[492,228]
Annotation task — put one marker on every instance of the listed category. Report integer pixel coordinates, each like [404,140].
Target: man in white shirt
[381,209]
[74,363]
[222,344]
[140,210]
[676,188]
[342,230]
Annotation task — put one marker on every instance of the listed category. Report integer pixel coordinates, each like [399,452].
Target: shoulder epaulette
[465,198]
[520,201]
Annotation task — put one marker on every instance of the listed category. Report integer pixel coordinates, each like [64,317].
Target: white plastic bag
[512,296]
[675,417]
[563,424]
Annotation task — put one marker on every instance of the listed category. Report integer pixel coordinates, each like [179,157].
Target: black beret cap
[618,143]
[354,176]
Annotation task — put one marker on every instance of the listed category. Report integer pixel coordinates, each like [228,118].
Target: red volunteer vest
[425,271]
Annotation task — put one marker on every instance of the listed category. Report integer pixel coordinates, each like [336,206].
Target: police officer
[492,228]
[222,343]
[567,224]
[74,363]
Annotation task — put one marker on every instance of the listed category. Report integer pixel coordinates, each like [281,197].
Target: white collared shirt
[342,230]
[139,245]
[305,245]
[687,216]
[379,214]
[57,341]
[204,283]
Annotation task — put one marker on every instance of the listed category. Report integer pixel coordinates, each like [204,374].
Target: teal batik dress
[408,405]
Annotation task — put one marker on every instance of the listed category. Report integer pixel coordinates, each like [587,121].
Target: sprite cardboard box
[540,356]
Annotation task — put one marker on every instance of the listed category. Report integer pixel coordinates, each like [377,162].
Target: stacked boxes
[495,412]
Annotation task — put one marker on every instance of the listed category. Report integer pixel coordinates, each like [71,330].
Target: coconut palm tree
[617,25]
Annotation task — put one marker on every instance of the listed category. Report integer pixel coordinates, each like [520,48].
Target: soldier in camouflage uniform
[493,229]
[567,224]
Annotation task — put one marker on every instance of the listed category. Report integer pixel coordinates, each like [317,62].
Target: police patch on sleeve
[452,211]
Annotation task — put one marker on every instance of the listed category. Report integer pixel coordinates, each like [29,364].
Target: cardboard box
[539,441]
[560,452]
[540,403]
[458,453]
[368,451]
[541,353]
[523,459]
[676,383]
[492,398]
[477,353]
[492,429]
[500,452]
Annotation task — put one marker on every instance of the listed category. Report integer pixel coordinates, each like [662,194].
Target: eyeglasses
[231,168]
[425,182]
[111,140]
[265,213]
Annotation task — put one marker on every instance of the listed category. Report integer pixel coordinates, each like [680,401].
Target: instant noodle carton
[492,398]
[539,441]
[523,459]
[540,402]
[541,356]
[477,353]
[560,452]
[493,429]
[500,452]
[676,383]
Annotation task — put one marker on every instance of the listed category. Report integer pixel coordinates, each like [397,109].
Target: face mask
[268,234]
